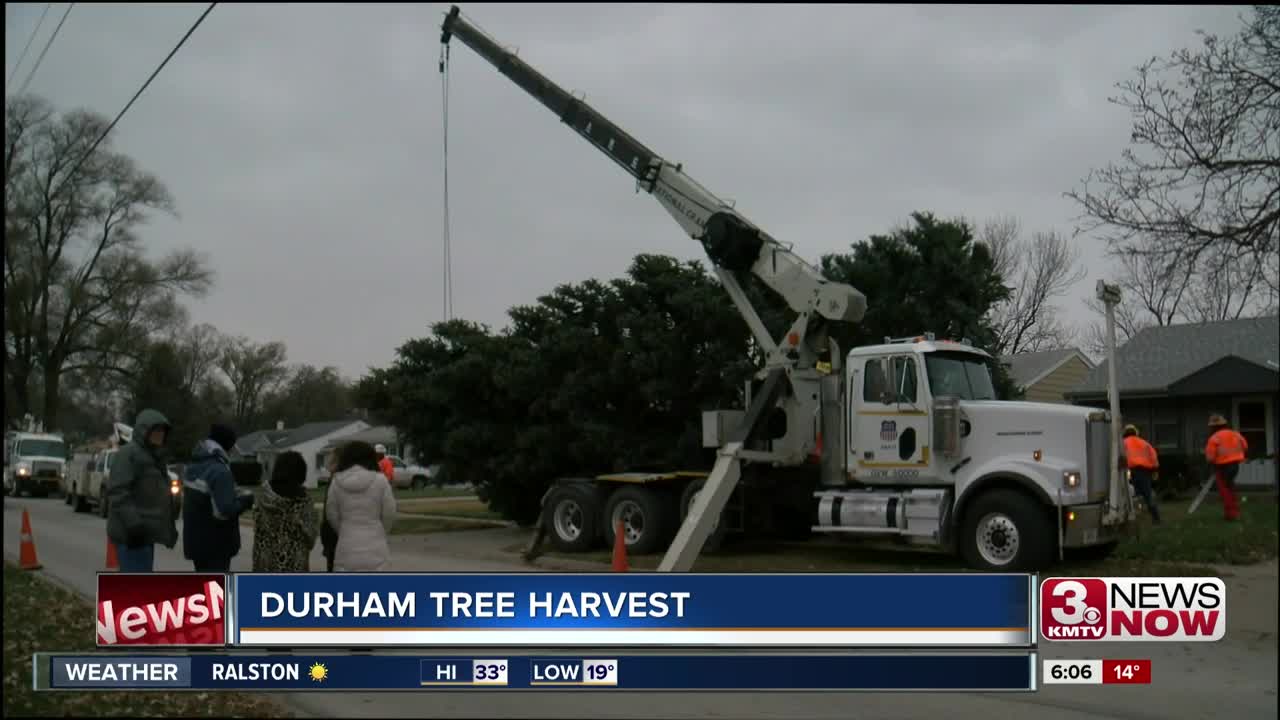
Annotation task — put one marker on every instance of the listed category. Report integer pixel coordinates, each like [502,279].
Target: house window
[1253,426]
[1167,436]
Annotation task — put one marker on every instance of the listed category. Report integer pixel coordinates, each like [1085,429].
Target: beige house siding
[1053,388]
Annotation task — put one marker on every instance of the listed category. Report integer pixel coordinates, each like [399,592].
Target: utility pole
[1119,496]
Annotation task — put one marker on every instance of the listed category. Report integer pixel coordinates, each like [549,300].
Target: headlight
[174,487]
[1071,479]
[24,470]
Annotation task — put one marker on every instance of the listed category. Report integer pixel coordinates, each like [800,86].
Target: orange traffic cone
[27,550]
[113,562]
[620,548]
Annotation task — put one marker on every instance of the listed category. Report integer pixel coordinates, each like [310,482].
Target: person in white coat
[361,508]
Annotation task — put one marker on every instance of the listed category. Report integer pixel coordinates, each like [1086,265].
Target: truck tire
[419,482]
[80,503]
[573,517]
[716,537]
[646,514]
[1007,531]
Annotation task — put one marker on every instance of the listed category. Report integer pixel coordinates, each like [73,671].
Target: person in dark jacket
[284,519]
[211,509]
[140,511]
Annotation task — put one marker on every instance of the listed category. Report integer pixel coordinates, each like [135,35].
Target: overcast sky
[304,143]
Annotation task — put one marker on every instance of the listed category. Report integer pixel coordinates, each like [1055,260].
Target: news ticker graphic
[173,609]
[991,672]
[631,610]
[1133,609]
[1097,672]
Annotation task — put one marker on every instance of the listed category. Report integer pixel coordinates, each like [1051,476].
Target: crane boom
[731,241]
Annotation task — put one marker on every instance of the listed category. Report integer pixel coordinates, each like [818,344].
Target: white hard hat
[380,448]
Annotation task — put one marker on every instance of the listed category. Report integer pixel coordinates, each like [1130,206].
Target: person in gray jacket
[140,512]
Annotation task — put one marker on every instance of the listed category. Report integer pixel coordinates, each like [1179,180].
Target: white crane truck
[904,440]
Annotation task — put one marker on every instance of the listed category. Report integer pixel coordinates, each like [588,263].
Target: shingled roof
[1157,357]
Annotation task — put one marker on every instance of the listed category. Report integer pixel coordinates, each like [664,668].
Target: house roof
[260,440]
[1158,357]
[1029,368]
[384,434]
[311,431]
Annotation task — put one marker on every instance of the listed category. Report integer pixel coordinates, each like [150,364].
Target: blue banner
[292,673]
[600,609]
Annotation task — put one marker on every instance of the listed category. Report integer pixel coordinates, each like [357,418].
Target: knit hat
[1217,421]
[223,435]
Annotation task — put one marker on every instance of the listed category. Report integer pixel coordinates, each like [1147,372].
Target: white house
[308,440]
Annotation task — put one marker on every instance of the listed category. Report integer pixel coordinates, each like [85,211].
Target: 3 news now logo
[161,609]
[1149,609]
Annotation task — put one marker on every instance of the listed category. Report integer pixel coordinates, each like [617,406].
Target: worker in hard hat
[385,464]
[1225,451]
[1143,462]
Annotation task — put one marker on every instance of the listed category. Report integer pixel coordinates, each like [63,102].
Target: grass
[474,509]
[42,616]
[1183,545]
[408,493]
[427,525]
[1205,537]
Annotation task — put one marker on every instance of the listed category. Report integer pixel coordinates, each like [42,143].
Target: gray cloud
[303,143]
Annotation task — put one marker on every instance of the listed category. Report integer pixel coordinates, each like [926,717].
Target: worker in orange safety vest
[1143,462]
[384,463]
[1225,451]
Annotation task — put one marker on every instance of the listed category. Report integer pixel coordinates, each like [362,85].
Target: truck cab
[934,458]
[34,463]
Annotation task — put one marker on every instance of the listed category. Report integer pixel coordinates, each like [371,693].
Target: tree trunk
[52,379]
[19,382]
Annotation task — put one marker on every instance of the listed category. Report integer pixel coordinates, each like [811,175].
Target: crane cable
[448,256]
[45,51]
[23,56]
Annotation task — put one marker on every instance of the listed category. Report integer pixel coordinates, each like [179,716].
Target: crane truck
[902,441]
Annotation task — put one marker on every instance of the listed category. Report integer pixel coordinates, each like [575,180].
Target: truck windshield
[960,375]
[41,448]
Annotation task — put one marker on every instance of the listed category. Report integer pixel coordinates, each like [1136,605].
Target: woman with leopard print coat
[284,519]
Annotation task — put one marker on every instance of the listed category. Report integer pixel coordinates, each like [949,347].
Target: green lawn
[45,617]
[408,493]
[1205,537]
[452,508]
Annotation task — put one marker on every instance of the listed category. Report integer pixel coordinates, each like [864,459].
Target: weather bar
[988,672]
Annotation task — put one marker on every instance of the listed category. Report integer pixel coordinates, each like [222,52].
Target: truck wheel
[419,482]
[573,517]
[1007,531]
[66,497]
[716,537]
[646,515]
[81,503]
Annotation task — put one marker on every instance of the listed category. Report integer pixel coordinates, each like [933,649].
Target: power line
[23,56]
[145,85]
[45,51]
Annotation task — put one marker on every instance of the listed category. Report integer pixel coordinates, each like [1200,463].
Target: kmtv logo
[1151,609]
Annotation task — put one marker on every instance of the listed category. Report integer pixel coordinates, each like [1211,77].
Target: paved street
[1233,679]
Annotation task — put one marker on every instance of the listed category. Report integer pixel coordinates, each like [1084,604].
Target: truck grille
[1098,450]
[45,469]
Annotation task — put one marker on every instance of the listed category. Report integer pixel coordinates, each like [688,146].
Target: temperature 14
[600,672]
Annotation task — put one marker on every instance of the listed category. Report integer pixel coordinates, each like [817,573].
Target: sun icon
[318,672]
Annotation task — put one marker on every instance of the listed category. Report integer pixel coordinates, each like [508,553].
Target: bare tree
[1038,272]
[1203,170]
[79,290]
[1228,287]
[255,371]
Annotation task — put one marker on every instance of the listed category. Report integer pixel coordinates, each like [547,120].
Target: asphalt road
[1235,678]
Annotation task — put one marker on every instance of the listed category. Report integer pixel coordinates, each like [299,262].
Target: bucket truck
[904,440]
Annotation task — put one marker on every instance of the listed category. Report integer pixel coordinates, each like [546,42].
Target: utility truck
[903,440]
[34,463]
